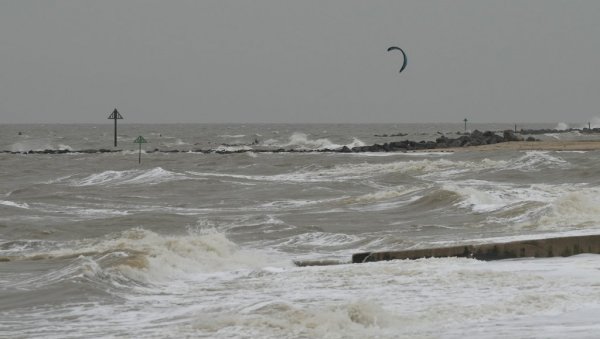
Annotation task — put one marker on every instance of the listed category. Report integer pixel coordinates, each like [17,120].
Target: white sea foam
[223,148]
[578,208]
[237,136]
[397,299]
[64,147]
[480,196]
[419,298]
[266,223]
[485,196]
[383,194]
[291,204]
[374,154]
[529,161]
[148,257]
[14,204]
[355,143]
[553,135]
[200,252]
[57,180]
[271,142]
[578,152]
[206,283]
[156,175]
[18,247]
[300,140]
[177,142]
[88,213]
[382,199]
[538,206]
[345,172]
[538,160]
[37,145]
[562,126]
[321,239]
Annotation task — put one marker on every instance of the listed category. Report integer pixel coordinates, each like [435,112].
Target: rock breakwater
[476,138]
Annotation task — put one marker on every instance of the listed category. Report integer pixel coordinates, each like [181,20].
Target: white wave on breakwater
[301,141]
[175,143]
[562,126]
[37,146]
[355,143]
[223,148]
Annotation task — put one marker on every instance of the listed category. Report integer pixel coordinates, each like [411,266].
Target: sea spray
[301,141]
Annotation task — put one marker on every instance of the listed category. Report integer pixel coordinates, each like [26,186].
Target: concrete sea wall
[538,248]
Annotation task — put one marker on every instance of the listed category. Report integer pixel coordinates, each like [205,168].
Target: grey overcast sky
[309,61]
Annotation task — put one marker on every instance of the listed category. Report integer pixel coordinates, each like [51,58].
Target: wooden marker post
[115,115]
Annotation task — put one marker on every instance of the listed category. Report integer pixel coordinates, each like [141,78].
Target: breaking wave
[143,256]
[38,146]
[301,141]
[346,172]
[534,161]
[14,204]
[152,176]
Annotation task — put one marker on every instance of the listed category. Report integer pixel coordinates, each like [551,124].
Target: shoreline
[552,145]
[539,145]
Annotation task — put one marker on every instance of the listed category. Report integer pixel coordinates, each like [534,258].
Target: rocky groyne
[476,138]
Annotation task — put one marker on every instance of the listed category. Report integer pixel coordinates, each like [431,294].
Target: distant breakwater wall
[475,138]
[553,131]
[537,248]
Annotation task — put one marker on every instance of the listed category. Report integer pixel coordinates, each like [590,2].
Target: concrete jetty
[537,248]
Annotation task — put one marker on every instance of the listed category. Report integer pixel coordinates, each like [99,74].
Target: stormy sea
[204,244]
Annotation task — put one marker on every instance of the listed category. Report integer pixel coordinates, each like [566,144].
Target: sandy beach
[554,145]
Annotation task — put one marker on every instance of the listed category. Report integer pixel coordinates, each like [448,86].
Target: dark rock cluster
[476,138]
[391,135]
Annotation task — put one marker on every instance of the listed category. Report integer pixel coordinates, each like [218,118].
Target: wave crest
[107,178]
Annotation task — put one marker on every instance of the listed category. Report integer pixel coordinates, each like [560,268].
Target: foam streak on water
[204,245]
